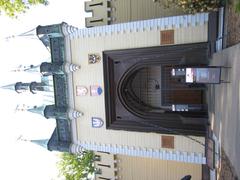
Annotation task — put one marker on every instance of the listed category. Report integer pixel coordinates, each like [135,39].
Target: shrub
[194,6]
[76,166]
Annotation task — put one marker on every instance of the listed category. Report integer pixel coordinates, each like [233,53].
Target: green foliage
[13,7]
[237,6]
[76,166]
[192,6]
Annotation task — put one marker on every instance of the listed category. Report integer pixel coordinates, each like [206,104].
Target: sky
[21,159]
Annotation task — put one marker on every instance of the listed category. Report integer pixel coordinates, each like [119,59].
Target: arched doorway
[140,91]
[150,90]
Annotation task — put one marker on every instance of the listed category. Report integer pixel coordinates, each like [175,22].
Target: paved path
[224,108]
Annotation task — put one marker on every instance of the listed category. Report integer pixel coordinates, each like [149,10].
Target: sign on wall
[95,90]
[93,58]
[203,75]
[97,122]
[81,91]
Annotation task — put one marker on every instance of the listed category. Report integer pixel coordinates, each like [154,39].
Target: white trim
[74,148]
[145,25]
[164,154]
[67,29]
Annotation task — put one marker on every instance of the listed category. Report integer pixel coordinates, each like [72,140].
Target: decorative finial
[74,114]
[94,58]
[71,67]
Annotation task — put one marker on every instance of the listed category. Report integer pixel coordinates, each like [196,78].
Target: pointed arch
[127,109]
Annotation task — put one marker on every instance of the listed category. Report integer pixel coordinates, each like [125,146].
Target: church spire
[27,68]
[37,109]
[33,68]
[40,142]
[9,87]
[33,109]
[28,34]
[33,87]
[21,87]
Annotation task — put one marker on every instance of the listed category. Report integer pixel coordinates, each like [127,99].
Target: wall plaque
[203,75]
[167,37]
[168,142]
[93,58]
[97,122]
[81,90]
[95,90]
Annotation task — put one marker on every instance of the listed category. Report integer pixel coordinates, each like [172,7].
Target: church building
[118,90]
[114,91]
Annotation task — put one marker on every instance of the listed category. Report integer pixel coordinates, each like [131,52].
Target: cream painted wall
[137,168]
[120,11]
[93,75]
[133,10]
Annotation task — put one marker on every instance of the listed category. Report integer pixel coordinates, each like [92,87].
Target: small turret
[44,33]
[21,87]
[33,87]
[57,68]
[50,30]
[38,86]
[51,111]
[41,142]
[51,69]
[57,144]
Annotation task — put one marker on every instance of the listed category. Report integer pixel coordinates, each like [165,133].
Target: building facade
[115,93]
[119,100]
[105,12]
[115,166]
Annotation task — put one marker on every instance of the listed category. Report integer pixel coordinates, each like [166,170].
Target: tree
[76,166]
[14,7]
[192,6]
